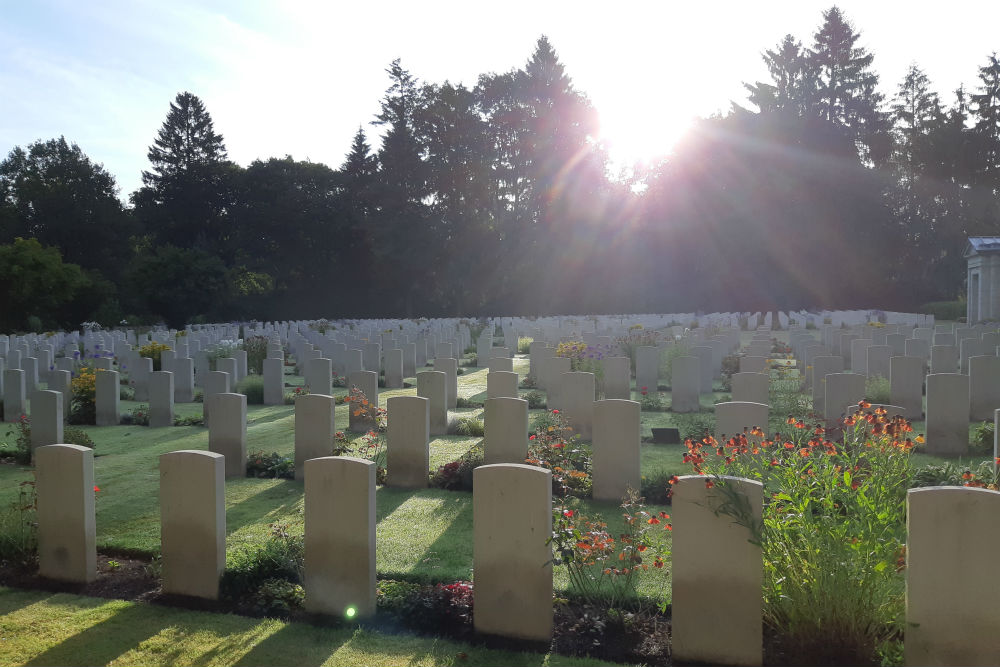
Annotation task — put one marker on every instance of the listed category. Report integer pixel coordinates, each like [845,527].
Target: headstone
[228,365]
[227,432]
[46,419]
[906,384]
[512,559]
[216,382]
[394,369]
[241,364]
[616,466]
[916,347]
[141,375]
[501,384]
[647,367]
[578,402]
[753,364]
[714,558]
[501,364]
[953,537]
[433,385]
[192,522]
[617,378]
[30,367]
[842,390]
[319,376]
[183,380]
[506,430]
[984,387]
[161,399]
[947,414]
[274,381]
[704,354]
[878,360]
[62,381]
[408,438]
[314,429]
[409,360]
[685,384]
[732,417]
[353,361]
[107,398]
[15,402]
[67,534]
[859,354]
[550,378]
[449,367]
[340,536]
[823,366]
[751,387]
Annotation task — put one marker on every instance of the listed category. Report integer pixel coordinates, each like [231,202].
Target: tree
[986,112]
[37,286]
[917,113]
[846,85]
[53,192]
[178,284]
[187,194]
[794,80]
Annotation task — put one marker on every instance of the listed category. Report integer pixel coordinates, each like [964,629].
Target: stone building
[983,256]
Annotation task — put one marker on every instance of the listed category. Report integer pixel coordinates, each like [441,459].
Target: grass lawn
[74,630]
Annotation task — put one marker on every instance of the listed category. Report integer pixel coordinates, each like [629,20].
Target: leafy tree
[186,196]
[36,283]
[53,192]
[178,284]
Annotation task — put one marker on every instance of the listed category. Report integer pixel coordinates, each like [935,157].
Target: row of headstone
[712,558]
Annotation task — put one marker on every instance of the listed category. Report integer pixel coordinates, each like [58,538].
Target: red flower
[97,489]
[709,484]
[568,513]
[531,437]
[555,412]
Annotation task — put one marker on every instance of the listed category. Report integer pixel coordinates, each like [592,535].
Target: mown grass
[74,630]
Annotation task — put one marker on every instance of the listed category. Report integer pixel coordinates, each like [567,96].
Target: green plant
[83,407]
[944,310]
[462,402]
[832,530]
[524,345]
[650,401]
[457,475]
[277,598]
[655,487]
[601,567]
[114,565]
[298,391]
[223,350]
[372,445]
[252,386]
[877,390]
[281,556]
[785,397]
[272,465]
[637,337]
[667,360]
[469,426]
[137,416]
[154,351]
[555,446]
[77,436]
[535,400]
[256,349]
[18,528]
[981,440]
[21,430]
[694,425]
[191,420]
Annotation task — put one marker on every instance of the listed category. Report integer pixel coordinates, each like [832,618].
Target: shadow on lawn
[101,643]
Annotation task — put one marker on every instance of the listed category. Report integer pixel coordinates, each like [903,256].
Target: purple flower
[76,354]
[52,368]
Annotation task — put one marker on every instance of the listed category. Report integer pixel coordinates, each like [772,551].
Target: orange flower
[709,484]
[789,445]
[804,452]
[673,480]
[653,521]
[920,439]
[790,420]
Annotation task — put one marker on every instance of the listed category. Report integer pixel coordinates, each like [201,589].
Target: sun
[634,135]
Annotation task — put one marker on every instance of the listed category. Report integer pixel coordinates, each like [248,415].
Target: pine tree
[917,114]
[986,111]
[186,140]
[793,80]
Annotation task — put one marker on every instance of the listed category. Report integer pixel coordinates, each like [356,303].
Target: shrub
[281,557]
[19,528]
[535,400]
[695,426]
[291,396]
[555,446]
[277,598]
[457,475]
[223,350]
[270,466]
[981,440]
[603,567]
[21,449]
[655,488]
[256,349]
[77,436]
[138,416]
[461,402]
[877,390]
[524,345]
[636,337]
[468,426]
[153,351]
[83,409]
[944,310]
[252,386]
[650,401]
[832,530]
[667,360]
[193,420]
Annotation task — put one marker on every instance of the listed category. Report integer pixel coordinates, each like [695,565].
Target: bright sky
[298,77]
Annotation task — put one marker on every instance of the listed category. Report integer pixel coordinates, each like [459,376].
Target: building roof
[979,245]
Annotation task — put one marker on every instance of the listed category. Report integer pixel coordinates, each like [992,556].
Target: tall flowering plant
[586,358]
[832,531]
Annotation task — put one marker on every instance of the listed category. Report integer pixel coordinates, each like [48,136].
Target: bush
[457,475]
[461,402]
[153,351]
[20,451]
[252,386]
[695,425]
[944,310]
[19,528]
[271,466]
[535,400]
[256,349]
[981,440]
[655,488]
[877,390]
[667,360]
[138,416]
[193,420]
[252,568]
[468,426]
[77,436]
[555,446]
[524,345]
[83,407]
[650,401]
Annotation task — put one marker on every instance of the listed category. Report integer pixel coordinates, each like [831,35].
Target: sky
[299,77]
